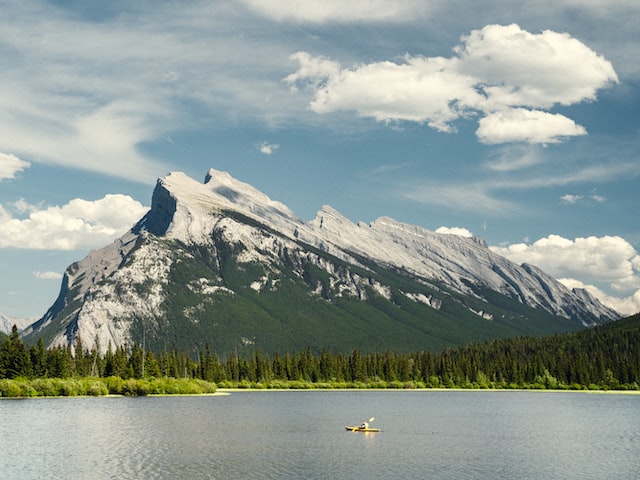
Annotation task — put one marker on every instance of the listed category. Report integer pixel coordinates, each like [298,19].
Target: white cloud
[628,305]
[85,100]
[523,125]
[608,258]
[92,95]
[339,11]
[268,148]
[312,70]
[570,199]
[420,89]
[48,275]
[497,73]
[78,224]
[10,165]
[609,264]
[461,232]
[22,206]
[518,68]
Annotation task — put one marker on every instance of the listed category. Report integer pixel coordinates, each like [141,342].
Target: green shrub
[9,388]
[188,387]
[94,387]
[26,390]
[18,387]
[47,387]
[278,384]
[114,385]
[135,388]
[71,388]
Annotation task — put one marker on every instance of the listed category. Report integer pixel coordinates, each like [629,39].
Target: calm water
[300,435]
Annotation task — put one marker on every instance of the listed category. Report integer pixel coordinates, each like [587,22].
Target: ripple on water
[295,435]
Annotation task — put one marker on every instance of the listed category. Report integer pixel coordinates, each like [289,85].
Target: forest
[602,358]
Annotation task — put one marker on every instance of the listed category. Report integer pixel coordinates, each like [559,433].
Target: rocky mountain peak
[243,257]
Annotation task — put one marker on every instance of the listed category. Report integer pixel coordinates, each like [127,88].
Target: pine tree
[15,360]
[38,355]
[59,362]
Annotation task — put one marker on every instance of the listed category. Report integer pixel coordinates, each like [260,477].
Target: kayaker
[364,425]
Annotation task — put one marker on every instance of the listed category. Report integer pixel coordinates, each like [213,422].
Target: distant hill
[628,323]
[220,263]
[7,323]
[606,356]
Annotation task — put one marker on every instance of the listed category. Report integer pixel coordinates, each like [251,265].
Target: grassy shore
[408,385]
[92,386]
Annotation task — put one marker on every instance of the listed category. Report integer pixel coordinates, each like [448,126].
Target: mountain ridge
[7,323]
[207,253]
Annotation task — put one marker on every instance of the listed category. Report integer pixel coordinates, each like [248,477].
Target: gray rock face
[240,244]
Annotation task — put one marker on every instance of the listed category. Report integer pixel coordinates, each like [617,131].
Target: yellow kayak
[360,429]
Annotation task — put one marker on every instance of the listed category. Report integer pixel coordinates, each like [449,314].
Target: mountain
[7,323]
[220,263]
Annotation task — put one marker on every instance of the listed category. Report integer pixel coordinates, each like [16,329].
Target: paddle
[368,421]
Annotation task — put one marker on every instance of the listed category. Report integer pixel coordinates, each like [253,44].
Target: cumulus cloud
[419,89]
[608,266]
[518,68]
[268,148]
[48,275]
[504,74]
[337,10]
[10,165]
[529,126]
[461,232]
[629,305]
[78,224]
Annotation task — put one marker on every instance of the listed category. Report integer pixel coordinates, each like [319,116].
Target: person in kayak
[364,425]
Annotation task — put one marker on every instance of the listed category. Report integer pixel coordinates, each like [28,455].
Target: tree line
[599,358]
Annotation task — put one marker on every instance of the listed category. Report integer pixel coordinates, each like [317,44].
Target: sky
[516,122]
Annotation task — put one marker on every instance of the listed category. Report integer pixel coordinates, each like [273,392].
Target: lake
[301,435]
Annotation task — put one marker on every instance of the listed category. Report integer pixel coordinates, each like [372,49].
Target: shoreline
[225,392]
[229,391]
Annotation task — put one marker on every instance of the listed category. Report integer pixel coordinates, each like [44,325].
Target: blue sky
[517,124]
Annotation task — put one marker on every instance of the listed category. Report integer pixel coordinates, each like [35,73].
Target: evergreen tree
[15,360]
[38,355]
[151,366]
[82,359]
[59,362]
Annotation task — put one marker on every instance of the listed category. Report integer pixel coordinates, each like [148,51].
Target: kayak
[360,429]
